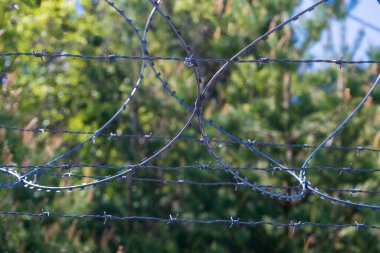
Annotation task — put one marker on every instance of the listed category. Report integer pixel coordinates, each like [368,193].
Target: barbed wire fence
[27,175]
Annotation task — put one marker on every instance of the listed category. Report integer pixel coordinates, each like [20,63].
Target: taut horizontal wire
[193,139]
[241,184]
[204,167]
[175,219]
[265,60]
[206,184]
[189,61]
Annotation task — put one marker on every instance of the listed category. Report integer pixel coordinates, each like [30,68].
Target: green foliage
[282,103]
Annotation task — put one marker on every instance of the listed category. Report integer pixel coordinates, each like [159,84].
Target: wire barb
[39,54]
[293,192]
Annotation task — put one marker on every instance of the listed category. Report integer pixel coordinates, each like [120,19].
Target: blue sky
[366,10]
[369,11]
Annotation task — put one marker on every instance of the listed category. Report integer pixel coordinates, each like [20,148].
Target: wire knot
[204,167]
[67,175]
[294,225]
[264,60]
[359,225]
[356,190]
[107,216]
[171,219]
[340,62]
[251,142]
[189,61]
[39,54]
[148,136]
[233,222]
[276,169]
[44,214]
[66,166]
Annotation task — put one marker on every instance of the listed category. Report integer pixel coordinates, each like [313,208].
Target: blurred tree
[281,103]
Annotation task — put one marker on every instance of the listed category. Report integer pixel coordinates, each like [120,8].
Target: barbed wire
[34,184]
[176,219]
[203,167]
[179,181]
[201,96]
[182,181]
[212,82]
[115,56]
[305,184]
[195,112]
[196,109]
[151,136]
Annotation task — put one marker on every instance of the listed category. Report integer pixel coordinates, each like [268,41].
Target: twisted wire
[203,167]
[256,187]
[176,219]
[187,138]
[195,111]
[212,82]
[115,56]
[34,184]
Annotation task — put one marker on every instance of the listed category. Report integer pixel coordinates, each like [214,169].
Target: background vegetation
[281,103]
